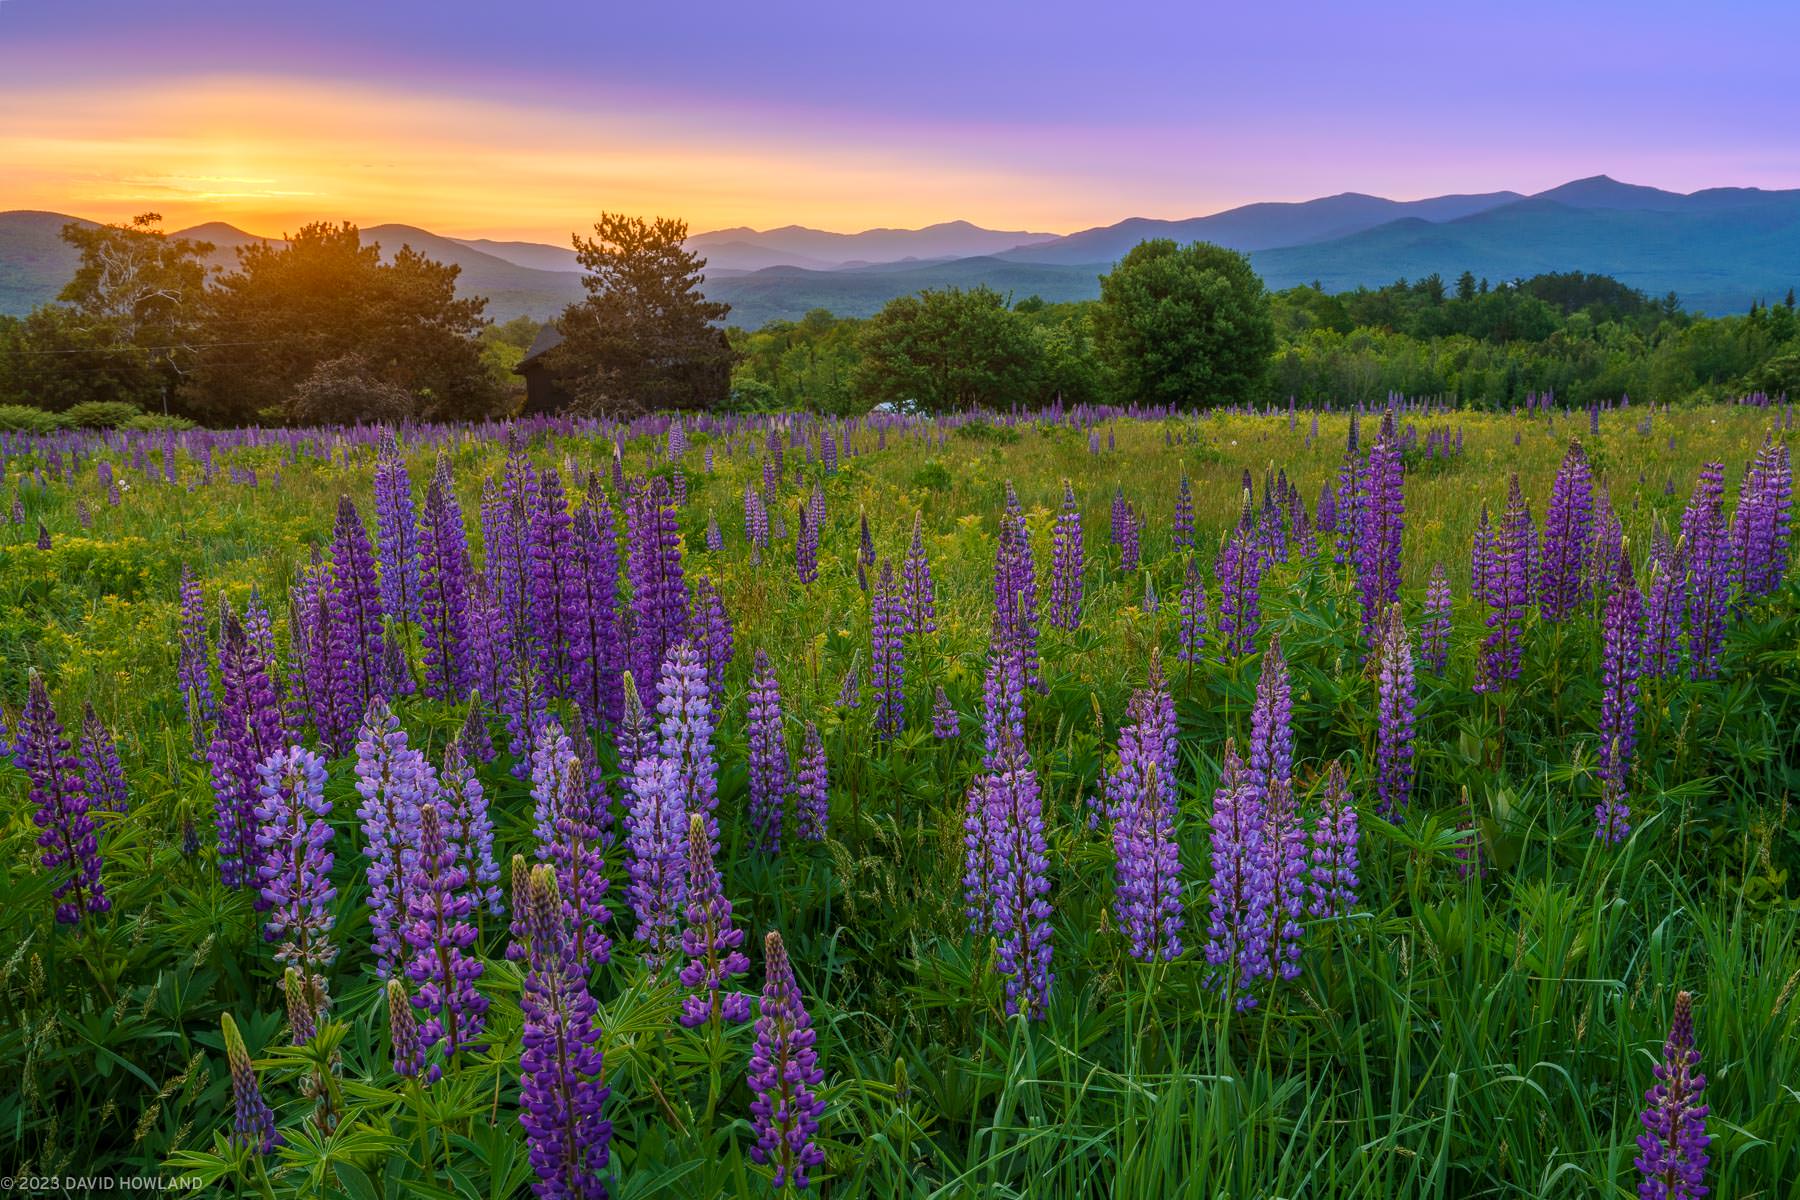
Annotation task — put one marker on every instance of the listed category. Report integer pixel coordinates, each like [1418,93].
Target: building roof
[547,339]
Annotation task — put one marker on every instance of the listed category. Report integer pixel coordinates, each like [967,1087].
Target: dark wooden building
[544,392]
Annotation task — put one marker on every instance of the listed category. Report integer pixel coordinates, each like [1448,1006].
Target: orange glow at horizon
[229,149]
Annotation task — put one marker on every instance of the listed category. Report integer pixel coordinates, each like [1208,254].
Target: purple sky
[522,119]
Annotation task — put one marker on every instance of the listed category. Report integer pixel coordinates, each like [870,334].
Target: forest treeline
[325,328]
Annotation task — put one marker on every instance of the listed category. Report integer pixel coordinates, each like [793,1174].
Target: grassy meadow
[1460,1033]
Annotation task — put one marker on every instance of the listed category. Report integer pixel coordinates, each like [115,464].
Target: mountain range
[1719,250]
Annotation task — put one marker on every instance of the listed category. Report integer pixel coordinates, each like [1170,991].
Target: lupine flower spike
[1673,1156]
[784,1070]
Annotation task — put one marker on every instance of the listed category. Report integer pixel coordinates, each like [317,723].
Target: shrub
[101,414]
[343,391]
[18,418]
[158,423]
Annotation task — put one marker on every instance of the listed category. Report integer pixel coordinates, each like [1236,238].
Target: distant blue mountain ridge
[1719,250]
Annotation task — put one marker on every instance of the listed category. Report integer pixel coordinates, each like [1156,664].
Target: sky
[525,119]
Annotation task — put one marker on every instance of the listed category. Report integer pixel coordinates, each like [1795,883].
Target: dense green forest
[1583,337]
[325,329]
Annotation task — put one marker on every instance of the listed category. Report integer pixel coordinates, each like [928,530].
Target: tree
[325,296]
[137,279]
[1185,325]
[1465,286]
[125,325]
[944,350]
[54,358]
[645,337]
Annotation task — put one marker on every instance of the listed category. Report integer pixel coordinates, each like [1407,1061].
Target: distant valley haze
[1719,249]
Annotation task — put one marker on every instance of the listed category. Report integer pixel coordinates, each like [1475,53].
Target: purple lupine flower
[1348,508]
[506,512]
[1395,698]
[396,671]
[1434,629]
[715,538]
[1483,558]
[558,592]
[477,740]
[1066,564]
[352,633]
[250,729]
[1192,628]
[1184,515]
[1131,541]
[1282,847]
[865,548]
[1672,1149]
[767,755]
[191,670]
[595,648]
[812,789]
[945,722]
[784,1070]
[59,800]
[1608,544]
[1621,663]
[396,534]
[1018,882]
[1003,736]
[1332,881]
[806,548]
[1015,588]
[1119,519]
[659,595]
[393,781]
[1327,509]
[756,523]
[568,822]
[1663,606]
[1240,571]
[253,1123]
[920,593]
[637,734]
[524,708]
[560,1063]
[850,690]
[1568,537]
[1239,893]
[1761,527]
[303,1023]
[654,825]
[710,941]
[101,770]
[293,838]
[713,637]
[1381,515]
[488,656]
[887,621]
[1704,545]
[471,829]
[685,732]
[1508,592]
[440,935]
[1140,798]
[403,1033]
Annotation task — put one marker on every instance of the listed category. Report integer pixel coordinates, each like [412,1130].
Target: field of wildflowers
[1085,803]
